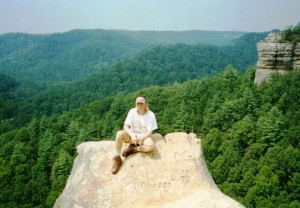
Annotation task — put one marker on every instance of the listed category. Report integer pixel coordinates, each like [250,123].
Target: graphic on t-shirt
[139,126]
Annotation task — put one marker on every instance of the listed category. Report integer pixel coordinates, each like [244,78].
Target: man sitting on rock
[138,127]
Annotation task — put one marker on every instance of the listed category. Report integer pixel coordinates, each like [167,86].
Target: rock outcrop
[174,175]
[276,56]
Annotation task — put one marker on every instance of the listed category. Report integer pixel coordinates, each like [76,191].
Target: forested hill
[49,59]
[52,58]
[155,65]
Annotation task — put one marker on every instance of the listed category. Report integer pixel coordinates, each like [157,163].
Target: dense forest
[155,65]
[250,133]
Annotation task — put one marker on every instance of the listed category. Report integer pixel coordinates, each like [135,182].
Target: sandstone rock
[297,56]
[174,175]
[275,56]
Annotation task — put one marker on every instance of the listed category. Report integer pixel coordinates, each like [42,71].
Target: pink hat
[140,100]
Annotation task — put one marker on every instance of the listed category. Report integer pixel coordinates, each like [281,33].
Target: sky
[55,16]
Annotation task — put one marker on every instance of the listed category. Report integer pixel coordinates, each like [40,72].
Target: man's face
[140,106]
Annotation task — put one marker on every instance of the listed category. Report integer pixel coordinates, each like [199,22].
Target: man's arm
[127,129]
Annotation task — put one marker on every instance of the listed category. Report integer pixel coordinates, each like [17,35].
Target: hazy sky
[51,16]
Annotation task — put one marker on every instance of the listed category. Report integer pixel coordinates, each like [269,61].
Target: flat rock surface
[174,175]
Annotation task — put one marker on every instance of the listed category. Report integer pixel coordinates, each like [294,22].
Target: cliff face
[174,175]
[276,56]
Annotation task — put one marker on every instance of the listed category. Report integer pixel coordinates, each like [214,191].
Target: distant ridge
[186,37]
[155,37]
[73,55]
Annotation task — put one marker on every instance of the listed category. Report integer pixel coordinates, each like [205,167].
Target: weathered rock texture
[276,56]
[174,175]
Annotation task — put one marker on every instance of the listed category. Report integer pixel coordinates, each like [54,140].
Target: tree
[248,101]
[181,118]
[59,174]
[270,127]
[291,34]
[38,186]
[46,149]
[266,188]
[211,144]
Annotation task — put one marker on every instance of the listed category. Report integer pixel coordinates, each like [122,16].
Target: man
[138,127]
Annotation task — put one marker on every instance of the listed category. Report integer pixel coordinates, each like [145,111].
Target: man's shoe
[130,150]
[117,164]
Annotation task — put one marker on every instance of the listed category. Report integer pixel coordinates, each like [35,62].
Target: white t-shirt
[141,123]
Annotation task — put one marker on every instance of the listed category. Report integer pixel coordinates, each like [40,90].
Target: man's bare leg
[121,137]
[147,145]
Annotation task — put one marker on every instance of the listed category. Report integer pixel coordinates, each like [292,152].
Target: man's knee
[149,144]
[119,134]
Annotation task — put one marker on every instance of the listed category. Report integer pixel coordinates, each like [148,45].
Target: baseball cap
[140,100]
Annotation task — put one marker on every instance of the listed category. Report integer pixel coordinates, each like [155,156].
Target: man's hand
[136,138]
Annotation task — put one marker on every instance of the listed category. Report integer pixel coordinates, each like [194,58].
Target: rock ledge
[276,56]
[174,175]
